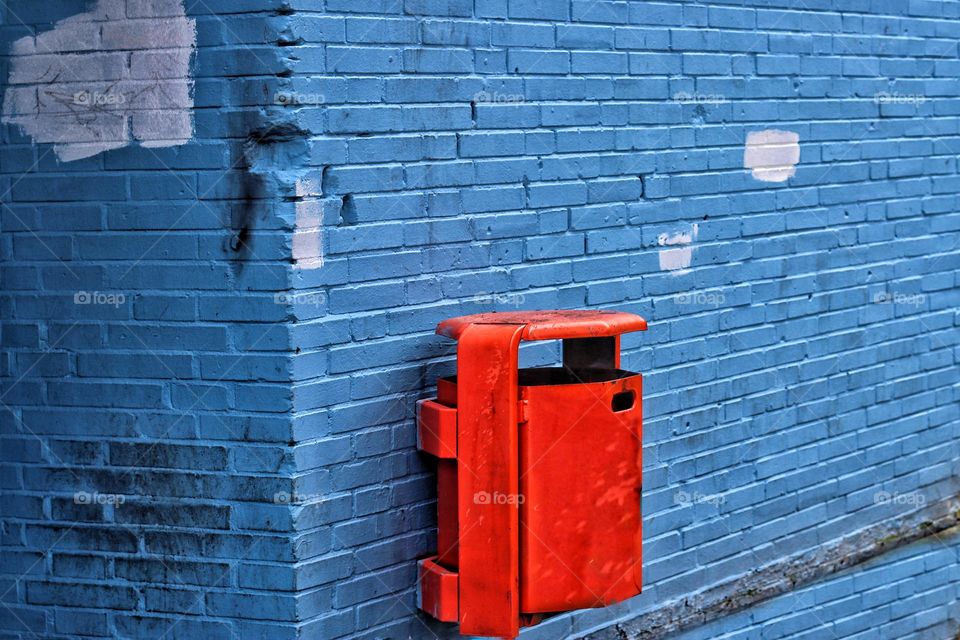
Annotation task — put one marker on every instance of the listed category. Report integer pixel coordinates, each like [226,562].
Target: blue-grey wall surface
[912,593]
[229,228]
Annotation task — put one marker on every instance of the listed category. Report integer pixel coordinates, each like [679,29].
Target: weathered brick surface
[211,352]
[146,418]
[910,593]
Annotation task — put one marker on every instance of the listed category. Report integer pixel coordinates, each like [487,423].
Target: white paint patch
[308,231]
[681,255]
[102,79]
[772,155]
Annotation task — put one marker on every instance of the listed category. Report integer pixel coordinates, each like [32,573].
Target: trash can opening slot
[623,401]
[549,376]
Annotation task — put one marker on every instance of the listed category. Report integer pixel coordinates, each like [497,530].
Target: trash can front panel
[580,484]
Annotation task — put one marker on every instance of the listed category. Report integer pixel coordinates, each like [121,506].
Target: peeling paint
[106,78]
[772,155]
[681,256]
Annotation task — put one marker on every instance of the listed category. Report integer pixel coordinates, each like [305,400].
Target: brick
[69,189]
[363,59]
[168,456]
[534,62]
[96,595]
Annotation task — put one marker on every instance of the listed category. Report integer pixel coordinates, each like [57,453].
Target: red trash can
[539,472]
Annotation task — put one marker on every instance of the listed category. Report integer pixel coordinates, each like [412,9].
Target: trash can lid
[551,325]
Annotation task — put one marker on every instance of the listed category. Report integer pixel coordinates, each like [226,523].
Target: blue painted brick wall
[146,407]
[253,410]
[527,154]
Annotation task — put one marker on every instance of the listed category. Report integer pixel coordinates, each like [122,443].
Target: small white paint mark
[681,255]
[772,155]
[308,231]
[676,259]
[105,78]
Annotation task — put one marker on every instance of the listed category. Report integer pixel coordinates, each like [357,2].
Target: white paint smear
[772,155]
[101,80]
[308,233]
[681,255]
